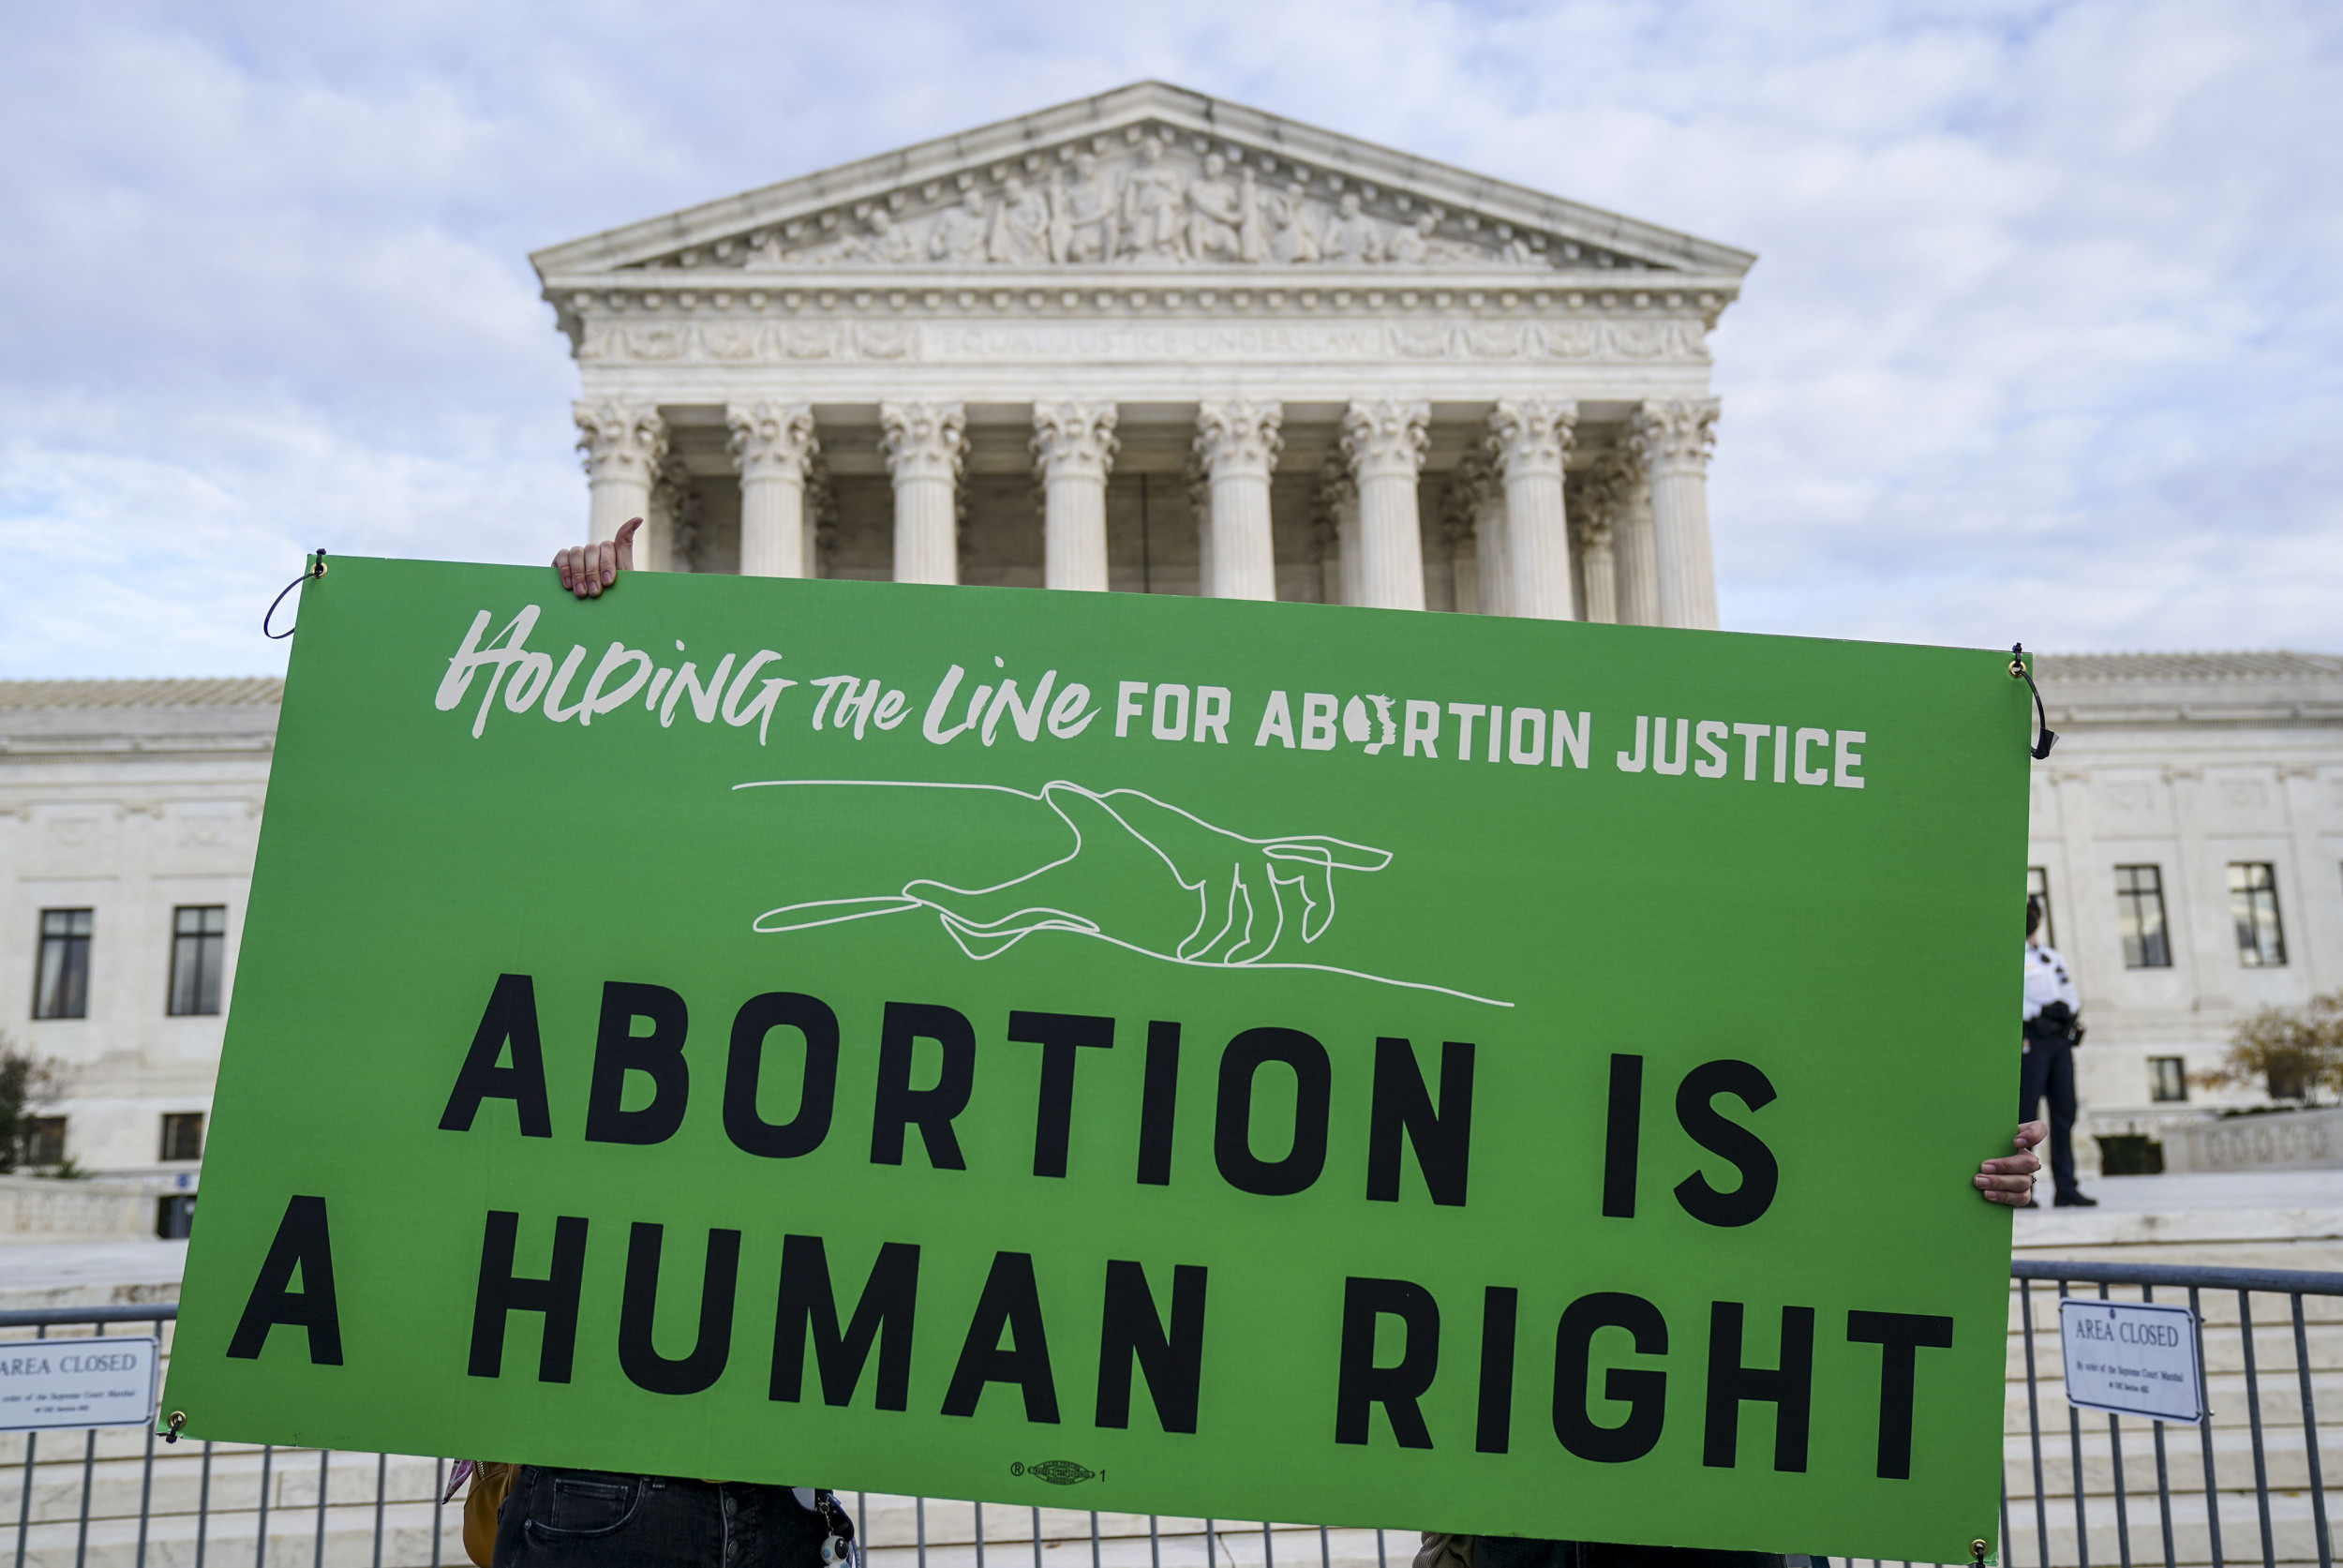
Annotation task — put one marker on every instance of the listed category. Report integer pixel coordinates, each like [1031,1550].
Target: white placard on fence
[2132,1357]
[51,1384]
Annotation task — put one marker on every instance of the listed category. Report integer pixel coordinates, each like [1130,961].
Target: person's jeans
[1508,1551]
[591,1518]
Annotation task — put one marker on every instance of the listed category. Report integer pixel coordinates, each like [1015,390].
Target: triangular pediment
[1150,177]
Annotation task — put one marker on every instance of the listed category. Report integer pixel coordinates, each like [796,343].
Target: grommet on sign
[2017,672]
[1977,1549]
[178,1419]
[315,567]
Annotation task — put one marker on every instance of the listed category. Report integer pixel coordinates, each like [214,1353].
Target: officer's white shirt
[2046,981]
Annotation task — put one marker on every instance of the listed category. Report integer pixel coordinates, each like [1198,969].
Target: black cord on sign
[2017,672]
[315,567]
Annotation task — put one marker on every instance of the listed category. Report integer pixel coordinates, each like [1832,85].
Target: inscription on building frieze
[1678,339]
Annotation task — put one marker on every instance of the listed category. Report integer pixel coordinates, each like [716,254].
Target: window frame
[70,951]
[36,1130]
[2037,886]
[2257,947]
[2142,948]
[176,1122]
[2158,1080]
[198,962]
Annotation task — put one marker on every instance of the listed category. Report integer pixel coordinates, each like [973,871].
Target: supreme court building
[1154,342]
[1157,342]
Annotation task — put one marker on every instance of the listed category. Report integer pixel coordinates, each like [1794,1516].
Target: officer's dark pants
[1507,1551]
[591,1518]
[2050,1066]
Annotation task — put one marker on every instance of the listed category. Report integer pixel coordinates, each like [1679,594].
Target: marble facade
[1155,342]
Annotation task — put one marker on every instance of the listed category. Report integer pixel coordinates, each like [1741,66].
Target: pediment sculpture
[1150,201]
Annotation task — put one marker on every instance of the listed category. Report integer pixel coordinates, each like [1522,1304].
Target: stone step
[177,1485]
[2286,1460]
[2293,1533]
[2281,1401]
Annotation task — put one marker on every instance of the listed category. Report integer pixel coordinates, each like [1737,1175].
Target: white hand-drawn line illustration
[1140,873]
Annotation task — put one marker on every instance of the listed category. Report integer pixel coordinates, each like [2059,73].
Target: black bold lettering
[1402,1108]
[510,1017]
[898,1105]
[1623,1134]
[1493,1432]
[803,1132]
[619,1051]
[303,1242]
[1644,1392]
[638,1315]
[1232,1123]
[1360,1383]
[1706,1128]
[1011,1302]
[884,1314]
[501,1293]
[1900,1337]
[1131,1330]
[1158,1104]
[1788,1387]
[1059,1035]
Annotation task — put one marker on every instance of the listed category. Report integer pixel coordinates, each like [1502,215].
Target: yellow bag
[490,1486]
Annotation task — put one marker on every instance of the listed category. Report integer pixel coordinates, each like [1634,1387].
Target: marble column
[925,444]
[1673,440]
[1458,544]
[1385,441]
[772,443]
[1483,494]
[1238,443]
[1634,560]
[1073,446]
[1339,504]
[1595,560]
[673,513]
[624,444]
[1530,439]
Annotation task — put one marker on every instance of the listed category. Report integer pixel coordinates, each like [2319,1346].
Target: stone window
[61,984]
[2140,913]
[2253,908]
[2168,1079]
[2038,888]
[199,951]
[44,1140]
[183,1135]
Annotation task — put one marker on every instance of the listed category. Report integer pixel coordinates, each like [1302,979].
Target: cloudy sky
[2045,341]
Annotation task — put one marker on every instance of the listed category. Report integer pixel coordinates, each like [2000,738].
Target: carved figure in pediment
[1291,239]
[1085,214]
[1412,245]
[1252,229]
[1020,234]
[1155,206]
[958,232]
[885,244]
[1216,213]
[1354,237]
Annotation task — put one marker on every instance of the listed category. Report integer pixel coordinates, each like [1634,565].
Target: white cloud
[2043,342]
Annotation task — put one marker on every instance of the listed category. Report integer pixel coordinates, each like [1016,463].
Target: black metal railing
[124,1500]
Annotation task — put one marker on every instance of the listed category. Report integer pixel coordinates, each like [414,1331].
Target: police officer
[2051,1033]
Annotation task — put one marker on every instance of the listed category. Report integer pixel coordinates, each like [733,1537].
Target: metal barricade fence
[2075,1491]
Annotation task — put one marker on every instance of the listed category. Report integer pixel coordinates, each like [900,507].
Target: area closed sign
[1161,1054]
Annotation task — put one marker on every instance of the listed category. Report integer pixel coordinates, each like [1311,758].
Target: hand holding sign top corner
[586,570]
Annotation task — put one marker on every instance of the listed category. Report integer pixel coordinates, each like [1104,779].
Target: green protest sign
[1144,1053]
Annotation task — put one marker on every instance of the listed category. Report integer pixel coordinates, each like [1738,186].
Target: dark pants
[591,1518]
[1508,1551]
[2050,1066]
